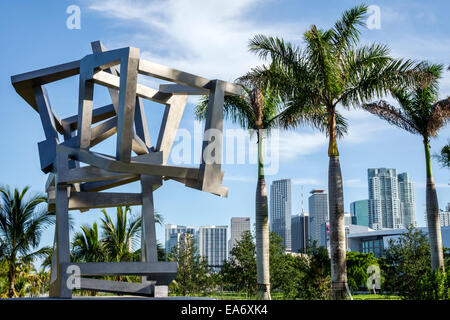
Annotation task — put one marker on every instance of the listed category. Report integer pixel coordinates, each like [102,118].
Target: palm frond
[391,114]
[439,117]
[346,29]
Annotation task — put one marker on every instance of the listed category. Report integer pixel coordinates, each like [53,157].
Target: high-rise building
[384,201]
[173,233]
[300,232]
[318,213]
[407,203]
[280,210]
[359,211]
[213,245]
[238,226]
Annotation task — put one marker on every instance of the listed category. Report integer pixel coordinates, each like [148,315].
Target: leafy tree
[240,270]
[433,285]
[331,69]
[420,113]
[444,156]
[315,279]
[22,220]
[407,259]
[193,271]
[357,265]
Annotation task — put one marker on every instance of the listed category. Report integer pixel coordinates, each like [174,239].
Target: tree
[259,110]
[193,271]
[420,114]
[407,259]
[118,238]
[444,156]
[315,279]
[331,70]
[240,270]
[357,266]
[238,273]
[22,220]
[87,245]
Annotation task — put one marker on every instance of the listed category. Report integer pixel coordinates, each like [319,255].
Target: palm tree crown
[22,221]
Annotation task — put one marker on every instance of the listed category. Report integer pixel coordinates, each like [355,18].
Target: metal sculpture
[71,186]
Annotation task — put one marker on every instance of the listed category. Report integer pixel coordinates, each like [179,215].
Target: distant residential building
[300,232]
[173,233]
[384,201]
[359,211]
[407,202]
[318,213]
[280,210]
[213,245]
[238,226]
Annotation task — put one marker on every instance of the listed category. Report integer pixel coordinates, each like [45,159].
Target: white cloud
[208,38]
[293,144]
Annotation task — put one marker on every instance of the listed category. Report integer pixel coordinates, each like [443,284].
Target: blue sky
[209,38]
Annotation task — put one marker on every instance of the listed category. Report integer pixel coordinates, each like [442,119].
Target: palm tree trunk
[337,227]
[12,281]
[433,221]
[262,228]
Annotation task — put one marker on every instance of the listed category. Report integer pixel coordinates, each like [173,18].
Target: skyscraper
[300,232]
[238,226]
[384,201]
[318,213]
[280,210]
[213,245]
[359,211]
[173,233]
[407,203]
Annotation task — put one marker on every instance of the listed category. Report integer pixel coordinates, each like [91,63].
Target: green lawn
[279,296]
[375,297]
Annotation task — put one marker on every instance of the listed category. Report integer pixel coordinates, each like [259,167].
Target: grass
[375,297]
[279,296]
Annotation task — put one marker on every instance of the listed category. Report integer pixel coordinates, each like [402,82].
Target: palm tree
[420,113]
[118,237]
[87,246]
[22,221]
[260,109]
[331,70]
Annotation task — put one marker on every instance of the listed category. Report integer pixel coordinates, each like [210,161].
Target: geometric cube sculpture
[78,176]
